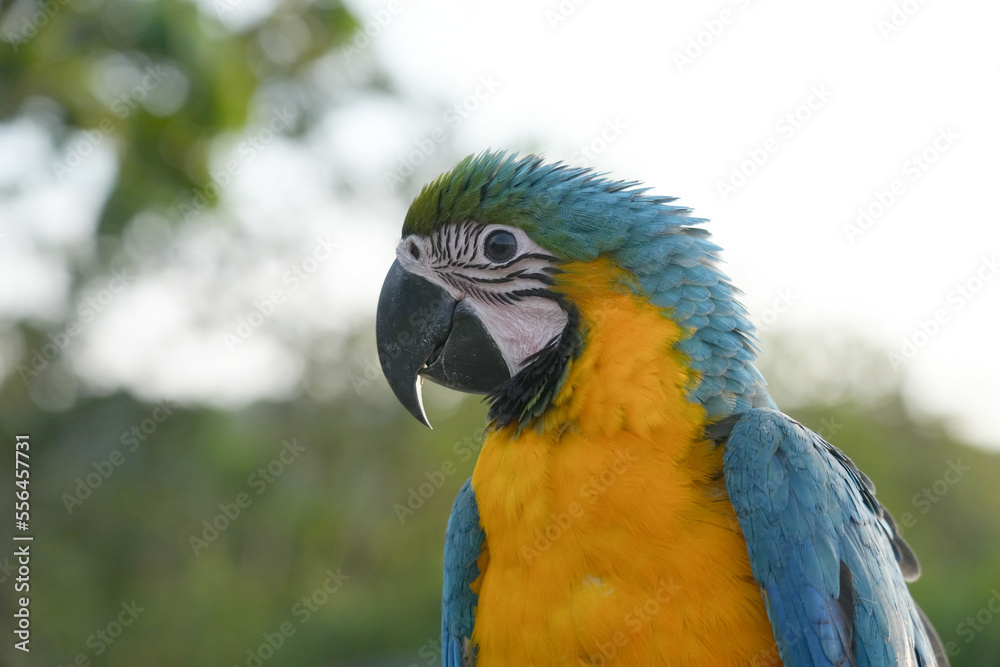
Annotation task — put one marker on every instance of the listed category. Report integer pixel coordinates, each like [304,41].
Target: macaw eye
[500,246]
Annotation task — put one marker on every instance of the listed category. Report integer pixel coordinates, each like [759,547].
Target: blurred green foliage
[104,61]
[107,534]
[368,498]
[193,515]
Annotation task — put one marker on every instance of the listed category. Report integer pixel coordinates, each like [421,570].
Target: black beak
[423,332]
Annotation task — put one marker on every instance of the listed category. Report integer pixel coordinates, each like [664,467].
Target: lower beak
[422,331]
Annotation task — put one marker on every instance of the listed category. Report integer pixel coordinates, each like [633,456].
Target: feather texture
[829,561]
[462,548]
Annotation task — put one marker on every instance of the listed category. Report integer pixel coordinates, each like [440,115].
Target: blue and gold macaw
[639,499]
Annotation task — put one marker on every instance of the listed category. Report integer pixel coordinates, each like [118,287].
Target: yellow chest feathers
[610,539]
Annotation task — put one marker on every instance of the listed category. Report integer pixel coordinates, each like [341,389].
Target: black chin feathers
[525,397]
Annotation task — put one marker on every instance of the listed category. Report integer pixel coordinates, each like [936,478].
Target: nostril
[413,249]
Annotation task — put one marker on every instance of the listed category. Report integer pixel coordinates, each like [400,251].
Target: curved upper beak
[422,331]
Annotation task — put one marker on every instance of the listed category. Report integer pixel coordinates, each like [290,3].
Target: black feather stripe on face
[456,254]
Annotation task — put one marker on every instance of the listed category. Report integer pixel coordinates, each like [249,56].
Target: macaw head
[476,298]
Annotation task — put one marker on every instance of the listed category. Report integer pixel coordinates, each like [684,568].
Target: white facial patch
[508,296]
[521,329]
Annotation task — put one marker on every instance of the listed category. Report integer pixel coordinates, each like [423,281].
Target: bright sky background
[887,95]
[834,102]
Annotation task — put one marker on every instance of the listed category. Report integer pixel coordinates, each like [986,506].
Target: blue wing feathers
[826,553]
[722,341]
[699,351]
[463,544]
[700,318]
